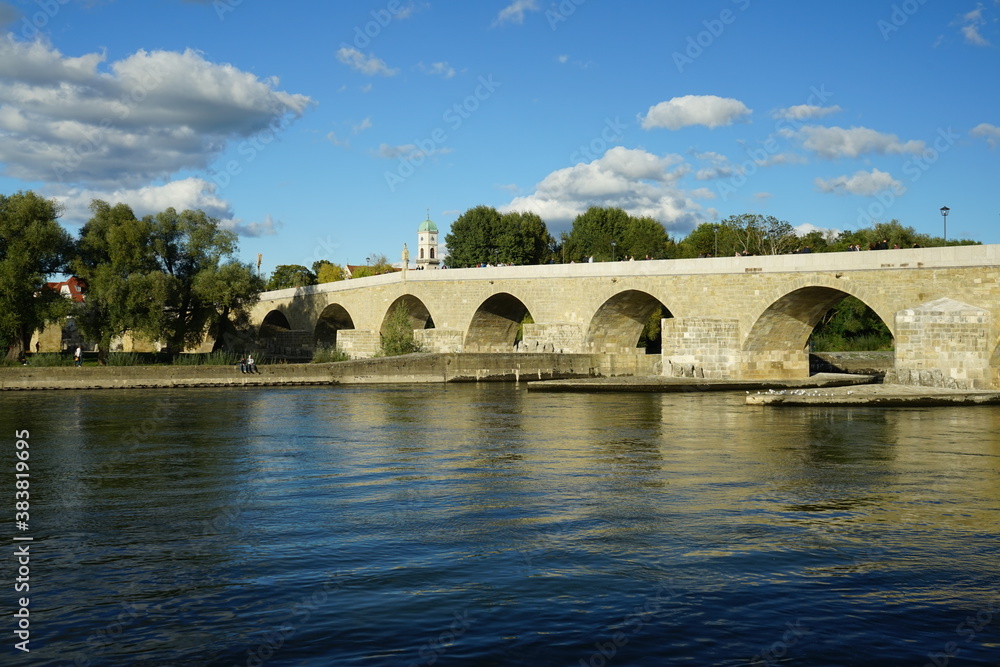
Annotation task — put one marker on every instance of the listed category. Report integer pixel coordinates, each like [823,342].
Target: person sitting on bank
[251,366]
[243,364]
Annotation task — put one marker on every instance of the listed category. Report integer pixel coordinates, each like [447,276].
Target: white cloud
[515,11]
[971,22]
[708,110]
[837,142]
[442,69]
[991,133]
[804,112]
[183,194]
[267,227]
[72,120]
[633,179]
[829,233]
[188,193]
[362,126]
[408,151]
[367,65]
[864,183]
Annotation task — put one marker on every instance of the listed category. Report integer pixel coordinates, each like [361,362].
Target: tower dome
[427,244]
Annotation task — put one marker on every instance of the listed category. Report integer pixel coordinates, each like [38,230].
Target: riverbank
[675,384]
[876,395]
[411,368]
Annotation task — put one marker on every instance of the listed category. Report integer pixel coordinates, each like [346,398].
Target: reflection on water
[481,524]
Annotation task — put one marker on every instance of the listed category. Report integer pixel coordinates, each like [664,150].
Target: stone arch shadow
[334,318]
[775,345]
[617,326]
[279,340]
[420,316]
[495,324]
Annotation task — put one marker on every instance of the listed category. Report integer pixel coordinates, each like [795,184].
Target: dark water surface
[483,525]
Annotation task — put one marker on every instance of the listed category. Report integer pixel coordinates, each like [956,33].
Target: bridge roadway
[726,317]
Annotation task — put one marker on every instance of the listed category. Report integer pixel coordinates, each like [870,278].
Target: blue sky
[328,130]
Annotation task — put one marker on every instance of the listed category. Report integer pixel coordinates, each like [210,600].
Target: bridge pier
[944,343]
[558,337]
[700,347]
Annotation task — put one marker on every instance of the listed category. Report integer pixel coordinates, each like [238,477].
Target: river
[486,525]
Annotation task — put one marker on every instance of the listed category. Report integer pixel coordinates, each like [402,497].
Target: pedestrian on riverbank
[78,357]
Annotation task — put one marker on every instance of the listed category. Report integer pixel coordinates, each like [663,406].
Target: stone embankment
[675,384]
[414,368]
[877,395]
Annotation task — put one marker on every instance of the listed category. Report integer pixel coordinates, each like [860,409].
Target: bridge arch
[618,324]
[420,317]
[274,323]
[788,321]
[495,323]
[333,318]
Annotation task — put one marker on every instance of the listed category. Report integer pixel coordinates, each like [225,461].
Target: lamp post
[944,214]
[716,227]
[613,244]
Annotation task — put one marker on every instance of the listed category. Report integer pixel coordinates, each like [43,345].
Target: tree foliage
[286,276]
[328,272]
[611,233]
[482,235]
[397,335]
[33,246]
[168,277]
[126,292]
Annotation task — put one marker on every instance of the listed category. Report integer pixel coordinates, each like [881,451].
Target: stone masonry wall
[700,347]
[559,337]
[943,343]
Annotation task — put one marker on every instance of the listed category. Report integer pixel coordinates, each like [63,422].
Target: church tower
[427,244]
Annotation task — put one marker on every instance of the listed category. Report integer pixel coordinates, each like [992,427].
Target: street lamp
[716,227]
[944,214]
[613,244]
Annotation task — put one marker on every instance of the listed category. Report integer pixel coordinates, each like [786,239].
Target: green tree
[228,293]
[33,246]
[593,232]
[611,233]
[482,235]
[290,275]
[893,233]
[397,335]
[851,325]
[376,264]
[126,290]
[643,237]
[328,272]
[189,247]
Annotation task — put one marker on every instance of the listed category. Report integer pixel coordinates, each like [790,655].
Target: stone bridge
[727,317]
